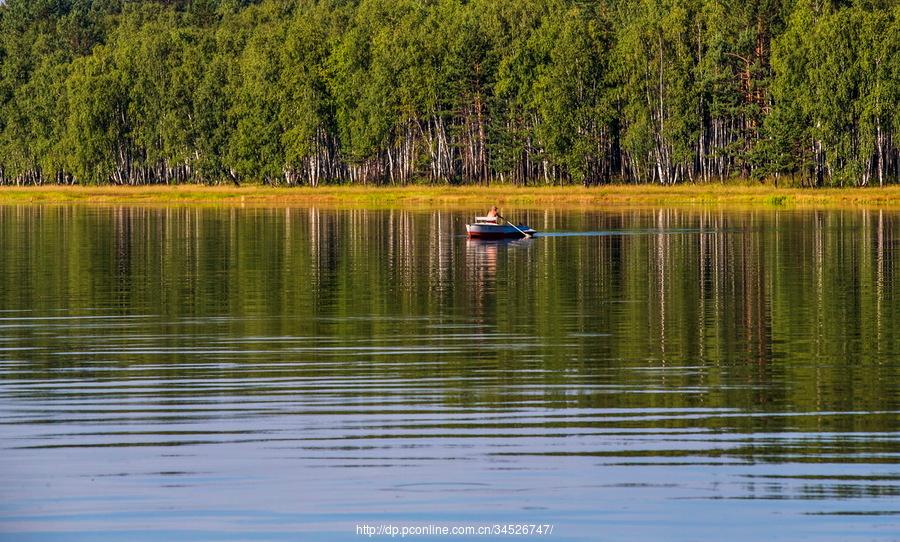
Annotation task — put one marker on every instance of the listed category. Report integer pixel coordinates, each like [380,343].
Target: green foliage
[836,107]
[97,130]
[379,91]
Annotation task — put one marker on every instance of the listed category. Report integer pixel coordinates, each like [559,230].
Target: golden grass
[460,197]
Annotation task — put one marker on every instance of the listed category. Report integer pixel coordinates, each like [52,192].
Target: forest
[380,92]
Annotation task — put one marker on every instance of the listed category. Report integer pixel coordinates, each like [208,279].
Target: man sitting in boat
[489,227]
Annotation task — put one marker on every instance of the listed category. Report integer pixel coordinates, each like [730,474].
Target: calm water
[289,374]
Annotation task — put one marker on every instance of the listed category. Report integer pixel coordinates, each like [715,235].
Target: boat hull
[497,231]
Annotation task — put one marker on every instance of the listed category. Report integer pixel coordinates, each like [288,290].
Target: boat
[490,227]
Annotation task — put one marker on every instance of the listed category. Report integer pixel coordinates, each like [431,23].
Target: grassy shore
[461,197]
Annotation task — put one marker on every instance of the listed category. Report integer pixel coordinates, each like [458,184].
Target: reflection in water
[269,372]
[481,268]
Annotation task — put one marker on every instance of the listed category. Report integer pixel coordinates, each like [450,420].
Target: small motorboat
[490,227]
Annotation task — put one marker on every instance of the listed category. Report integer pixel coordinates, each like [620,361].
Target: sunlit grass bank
[458,197]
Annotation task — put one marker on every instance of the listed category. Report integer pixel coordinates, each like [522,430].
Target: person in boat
[494,213]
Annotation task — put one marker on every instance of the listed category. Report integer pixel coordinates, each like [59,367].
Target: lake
[226,373]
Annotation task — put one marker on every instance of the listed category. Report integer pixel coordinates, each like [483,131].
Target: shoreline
[460,196]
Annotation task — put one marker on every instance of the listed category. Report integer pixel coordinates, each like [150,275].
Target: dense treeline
[398,91]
